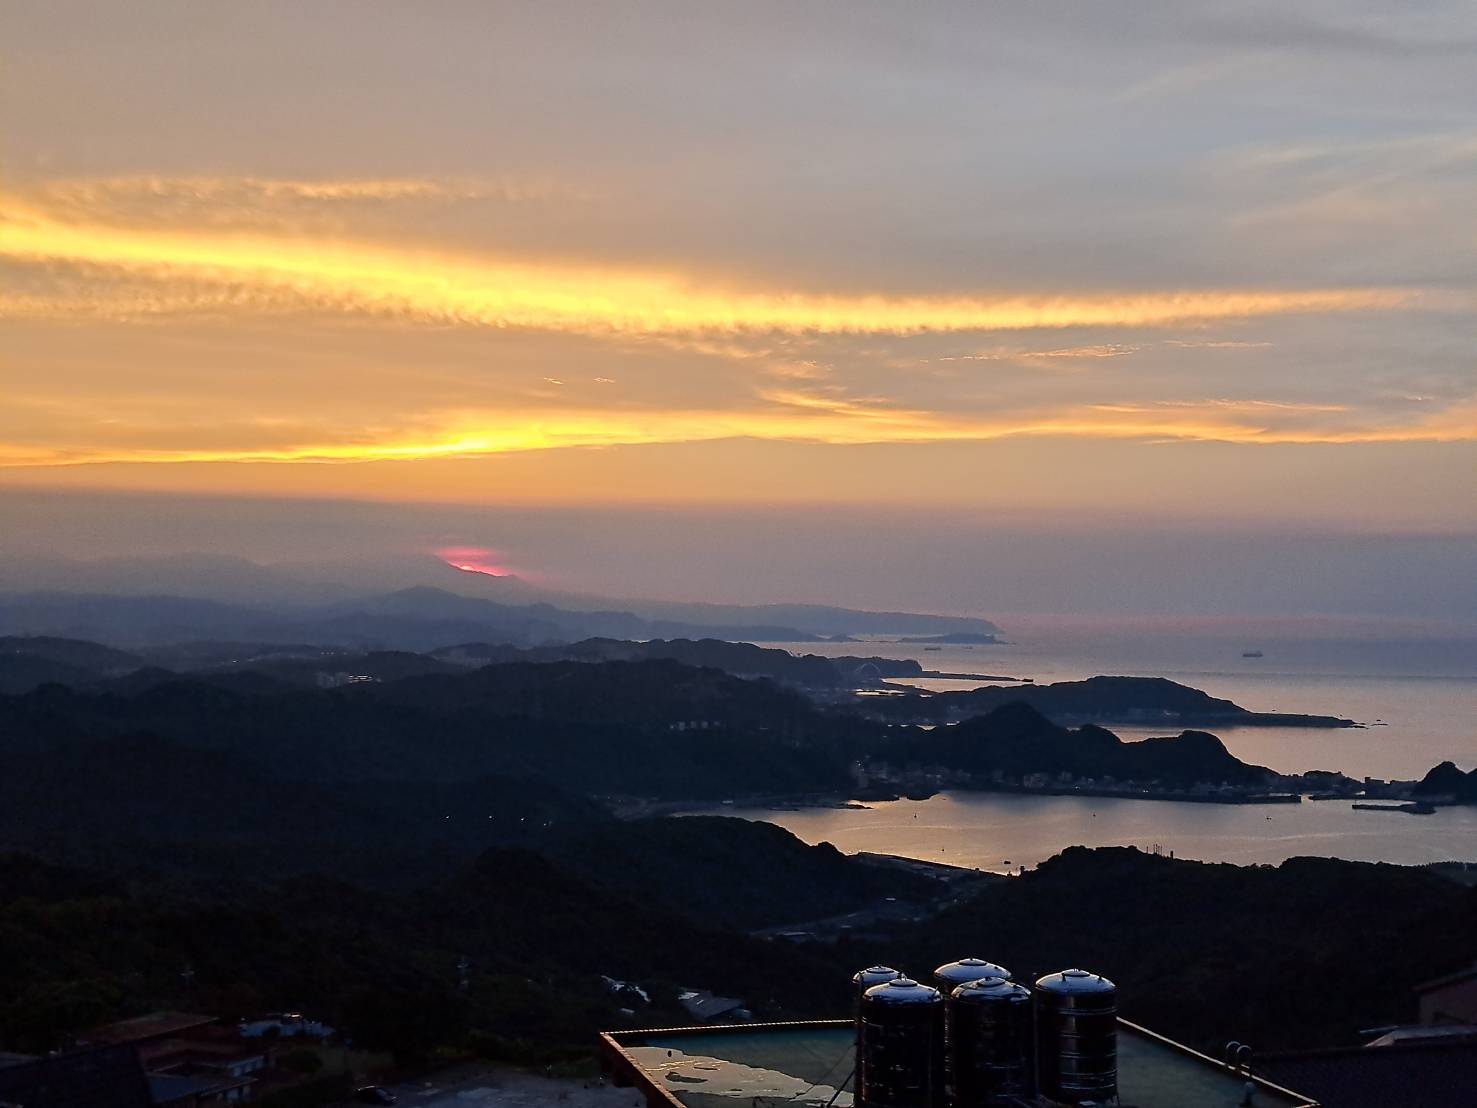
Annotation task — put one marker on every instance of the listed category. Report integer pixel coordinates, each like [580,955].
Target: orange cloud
[791,416]
[162,196]
[265,271]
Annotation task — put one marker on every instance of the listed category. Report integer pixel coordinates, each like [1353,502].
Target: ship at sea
[1251,653]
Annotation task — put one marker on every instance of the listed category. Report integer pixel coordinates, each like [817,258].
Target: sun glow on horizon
[473,559]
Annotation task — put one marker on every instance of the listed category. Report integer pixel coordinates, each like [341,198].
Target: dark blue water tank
[900,1046]
[873,975]
[987,1026]
[950,975]
[1077,1036]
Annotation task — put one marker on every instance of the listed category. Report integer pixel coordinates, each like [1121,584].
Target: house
[1449,999]
[285,1025]
[189,1059]
[1429,1065]
[704,1007]
[171,1090]
[107,1076]
[216,1056]
[141,1031]
[1425,1073]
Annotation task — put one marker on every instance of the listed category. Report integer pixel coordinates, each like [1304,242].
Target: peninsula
[1131,701]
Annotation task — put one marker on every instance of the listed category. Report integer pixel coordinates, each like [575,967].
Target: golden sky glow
[283,241]
[345,277]
[908,278]
[121,267]
[789,416]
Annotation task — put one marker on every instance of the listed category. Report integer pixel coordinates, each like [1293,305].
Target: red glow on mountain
[473,559]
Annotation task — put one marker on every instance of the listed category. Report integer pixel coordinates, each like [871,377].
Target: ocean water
[1420,690]
[1001,831]
[1421,687]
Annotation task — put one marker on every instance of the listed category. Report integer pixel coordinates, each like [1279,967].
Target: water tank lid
[991,988]
[1076,981]
[876,975]
[903,990]
[969,969]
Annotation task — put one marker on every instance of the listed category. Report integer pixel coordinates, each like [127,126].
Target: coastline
[630,810]
[1000,831]
[635,808]
[839,802]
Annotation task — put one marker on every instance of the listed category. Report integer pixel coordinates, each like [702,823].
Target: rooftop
[1432,1073]
[155,1025]
[161,1054]
[808,1064]
[703,1005]
[1401,1036]
[105,1077]
[169,1088]
[1468,974]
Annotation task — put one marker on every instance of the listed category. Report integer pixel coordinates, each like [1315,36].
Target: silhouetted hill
[204,654]
[657,692]
[24,875]
[1135,700]
[30,660]
[1272,956]
[738,658]
[234,580]
[328,668]
[343,850]
[655,729]
[247,682]
[124,620]
[419,619]
[22,672]
[639,728]
[1447,780]
[1276,956]
[588,928]
[73,652]
[227,578]
[750,875]
[1016,740]
[144,801]
[382,966]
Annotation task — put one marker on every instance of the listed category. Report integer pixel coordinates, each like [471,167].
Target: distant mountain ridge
[239,582]
[420,618]
[26,663]
[611,728]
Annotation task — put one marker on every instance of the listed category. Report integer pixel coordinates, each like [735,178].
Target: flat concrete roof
[810,1065]
[155,1025]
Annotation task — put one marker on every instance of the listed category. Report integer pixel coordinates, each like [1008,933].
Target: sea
[1413,688]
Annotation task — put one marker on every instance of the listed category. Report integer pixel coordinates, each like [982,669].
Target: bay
[1416,688]
[999,832]
[1417,693]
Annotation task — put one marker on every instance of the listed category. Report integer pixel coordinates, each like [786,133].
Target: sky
[1116,272]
